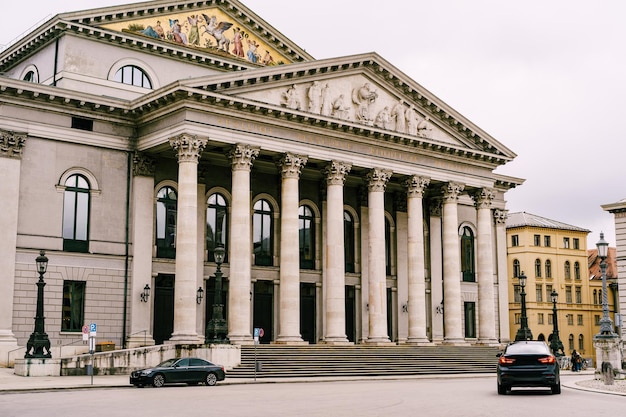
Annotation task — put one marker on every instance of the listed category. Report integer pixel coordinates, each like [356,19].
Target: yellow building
[553,256]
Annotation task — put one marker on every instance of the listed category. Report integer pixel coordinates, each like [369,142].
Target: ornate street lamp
[555,344]
[38,340]
[217,327]
[606,324]
[523,333]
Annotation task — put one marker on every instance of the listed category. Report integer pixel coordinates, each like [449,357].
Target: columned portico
[289,315]
[11,145]
[377,272]
[239,290]
[143,219]
[416,186]
[486,306]
[189,149]
[334,265]
[451,264]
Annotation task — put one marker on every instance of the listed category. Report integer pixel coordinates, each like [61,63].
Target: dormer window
[133,75]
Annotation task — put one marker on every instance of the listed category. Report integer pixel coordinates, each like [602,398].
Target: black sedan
[528,364]
[179,370]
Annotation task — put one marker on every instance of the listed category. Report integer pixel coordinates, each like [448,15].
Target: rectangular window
[515,240]
[579,297]
[518,318]
[566,242]
[576,243]
[73,309]
[568,294]
[570,319]
[549,292]
[540,318]
[516,294]
[596,319]
[580,319]
[550,318]
[539,291]
[470,319]
[537,240]
[546,241]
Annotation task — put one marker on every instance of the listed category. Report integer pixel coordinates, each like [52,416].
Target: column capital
[143,165]
[291,165]
[11,144]
[451,191]
[378,178]
[483,198]
[500,216]
[416,185]
[189,147]
[336,172]
[242,156]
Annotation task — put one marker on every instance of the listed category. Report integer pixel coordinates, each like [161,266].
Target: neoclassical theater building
[353,204]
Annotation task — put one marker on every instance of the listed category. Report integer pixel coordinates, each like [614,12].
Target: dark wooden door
[263,315]
[307,312]
[163,308]
[350,313]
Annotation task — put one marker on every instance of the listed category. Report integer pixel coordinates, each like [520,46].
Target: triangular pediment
[363,90]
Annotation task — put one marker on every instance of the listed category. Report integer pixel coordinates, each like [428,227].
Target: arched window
[548,268]
[538,268]
[76,203]
[348,241]
[568,274]
[571,342]
[307,237]
[132,75]
[581,342]
[467,255]
[576,270]
[31,76]
[595,296]
[516,268]
[167,203]
[216,225]
[263,239]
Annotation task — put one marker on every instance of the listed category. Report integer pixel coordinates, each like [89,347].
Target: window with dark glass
[570,340]
[216,225]
[515,240]
[539,292]
[567,270]
[579,295]
[566,242]
[133,75]
[387,246]
[537,240]
[262,233]
[73,308]
[32,77]
[470,319]
[576,243]
[348,241]
[76,203]
[517,298]
[538,268]
[581,342]
[167,203]
[548,268]
[548,292]
[516,268]
[595,296]
[307,237]
[568,294]
[546,241]
[467,255]
[576,270]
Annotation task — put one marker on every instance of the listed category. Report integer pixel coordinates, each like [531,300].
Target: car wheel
[556,389]
[502,389]
[211,379]
[158,380]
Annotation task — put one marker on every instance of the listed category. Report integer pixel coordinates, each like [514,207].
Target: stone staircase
[360,360]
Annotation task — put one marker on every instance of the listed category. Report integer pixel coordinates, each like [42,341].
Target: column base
[337,341]
[488,342]
[185,339]
[419,342]
[455,342]
[241,339]
[294,342]
[139,340]
[379,341]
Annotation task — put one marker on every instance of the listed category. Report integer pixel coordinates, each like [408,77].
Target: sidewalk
[9,382]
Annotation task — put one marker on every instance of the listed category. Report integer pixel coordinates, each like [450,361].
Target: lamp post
[217,327]
[555,344]
[38,340]
[606,324]
[523,333]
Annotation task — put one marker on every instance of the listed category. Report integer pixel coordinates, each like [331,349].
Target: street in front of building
[464,396]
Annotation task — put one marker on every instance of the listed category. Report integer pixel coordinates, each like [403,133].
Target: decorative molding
[143,165]
[11,144]
[188,147]
[291,165]
[242,156]
[483,198]
[416,186]
[377,179]
[451,192]
[336,172]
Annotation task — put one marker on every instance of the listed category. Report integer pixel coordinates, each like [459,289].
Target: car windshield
[527,349]
[166,364]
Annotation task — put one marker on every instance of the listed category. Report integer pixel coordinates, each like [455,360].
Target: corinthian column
[242,157]
[377,272]
[188,148]
[452,319]
[416,275]
[486,305]
[501,275]
[143,221]
[11,145]
[289,316]
[335,329]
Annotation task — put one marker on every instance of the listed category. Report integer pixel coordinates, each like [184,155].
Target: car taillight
[506,361]
[547,359]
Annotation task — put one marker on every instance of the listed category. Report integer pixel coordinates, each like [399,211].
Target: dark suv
[528,363]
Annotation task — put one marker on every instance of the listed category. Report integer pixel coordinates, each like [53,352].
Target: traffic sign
[92,329]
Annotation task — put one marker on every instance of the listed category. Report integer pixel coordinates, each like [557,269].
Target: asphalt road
[409,397]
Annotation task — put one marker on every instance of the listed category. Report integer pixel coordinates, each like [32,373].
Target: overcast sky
[545,78]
